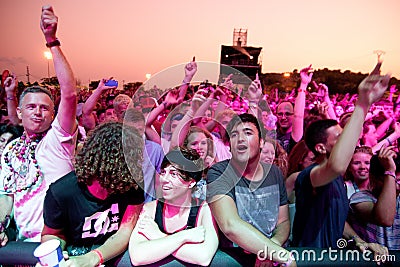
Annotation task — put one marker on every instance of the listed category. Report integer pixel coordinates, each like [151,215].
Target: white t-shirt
[54,154]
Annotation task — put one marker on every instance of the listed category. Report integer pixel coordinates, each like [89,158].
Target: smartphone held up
[111,83]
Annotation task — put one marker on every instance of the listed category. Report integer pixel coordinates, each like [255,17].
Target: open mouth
[166,187]
[241,148]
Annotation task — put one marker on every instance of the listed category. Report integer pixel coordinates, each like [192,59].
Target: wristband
[56,42]
[392,174]
[98,253]
[10,98]
[387,139]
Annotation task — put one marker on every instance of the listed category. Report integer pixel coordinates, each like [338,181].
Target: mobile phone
[112,83]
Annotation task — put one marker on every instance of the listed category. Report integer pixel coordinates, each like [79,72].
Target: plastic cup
[50,254]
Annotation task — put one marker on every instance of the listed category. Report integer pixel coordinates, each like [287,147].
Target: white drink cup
[50,254]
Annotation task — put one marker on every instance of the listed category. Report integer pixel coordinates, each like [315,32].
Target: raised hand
[10,84]
[372,88]
[190,70]
[198,99]
[227,84]
[171,98]
[104,87]
[255,90]
[48,23]
[386,158]
[306,75]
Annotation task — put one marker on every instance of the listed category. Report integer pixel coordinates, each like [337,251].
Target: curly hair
[112,154]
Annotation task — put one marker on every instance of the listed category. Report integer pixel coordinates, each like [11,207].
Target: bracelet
[353,238]
[387,139]
[98,253]
[301,90]
[56,42]
[185,82]
[392,174]
[10,98]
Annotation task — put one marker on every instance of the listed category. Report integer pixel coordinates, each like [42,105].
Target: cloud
[13,61]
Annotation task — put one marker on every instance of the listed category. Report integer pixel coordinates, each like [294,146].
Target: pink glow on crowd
[129,39]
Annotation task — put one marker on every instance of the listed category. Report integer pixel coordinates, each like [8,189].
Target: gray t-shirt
[257,202]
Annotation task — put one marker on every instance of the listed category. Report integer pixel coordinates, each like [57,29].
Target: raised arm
[389,140]
[88,119]
[370,90]
[181,130]
[299,104]
[327,100]
[11,86]
[254,94]
[382,128]
[67,108]
[170,99]
[190,71]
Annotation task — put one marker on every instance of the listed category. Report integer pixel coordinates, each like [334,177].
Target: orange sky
[127,39]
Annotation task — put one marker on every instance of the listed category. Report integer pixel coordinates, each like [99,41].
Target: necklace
[18,158]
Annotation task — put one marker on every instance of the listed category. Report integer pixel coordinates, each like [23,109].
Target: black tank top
[158,218]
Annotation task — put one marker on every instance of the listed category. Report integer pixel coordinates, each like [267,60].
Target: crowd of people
[201,173]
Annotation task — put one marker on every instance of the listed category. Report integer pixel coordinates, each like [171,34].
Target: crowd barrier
[21,253]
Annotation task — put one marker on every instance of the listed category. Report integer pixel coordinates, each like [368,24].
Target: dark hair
[100,111]
[242,118]
[296,156]
[111,154]
[187,161]
[35,89]
[376,171]
[15,130]
[316,133]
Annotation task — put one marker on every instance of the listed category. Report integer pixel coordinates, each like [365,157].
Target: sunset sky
[128,38]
